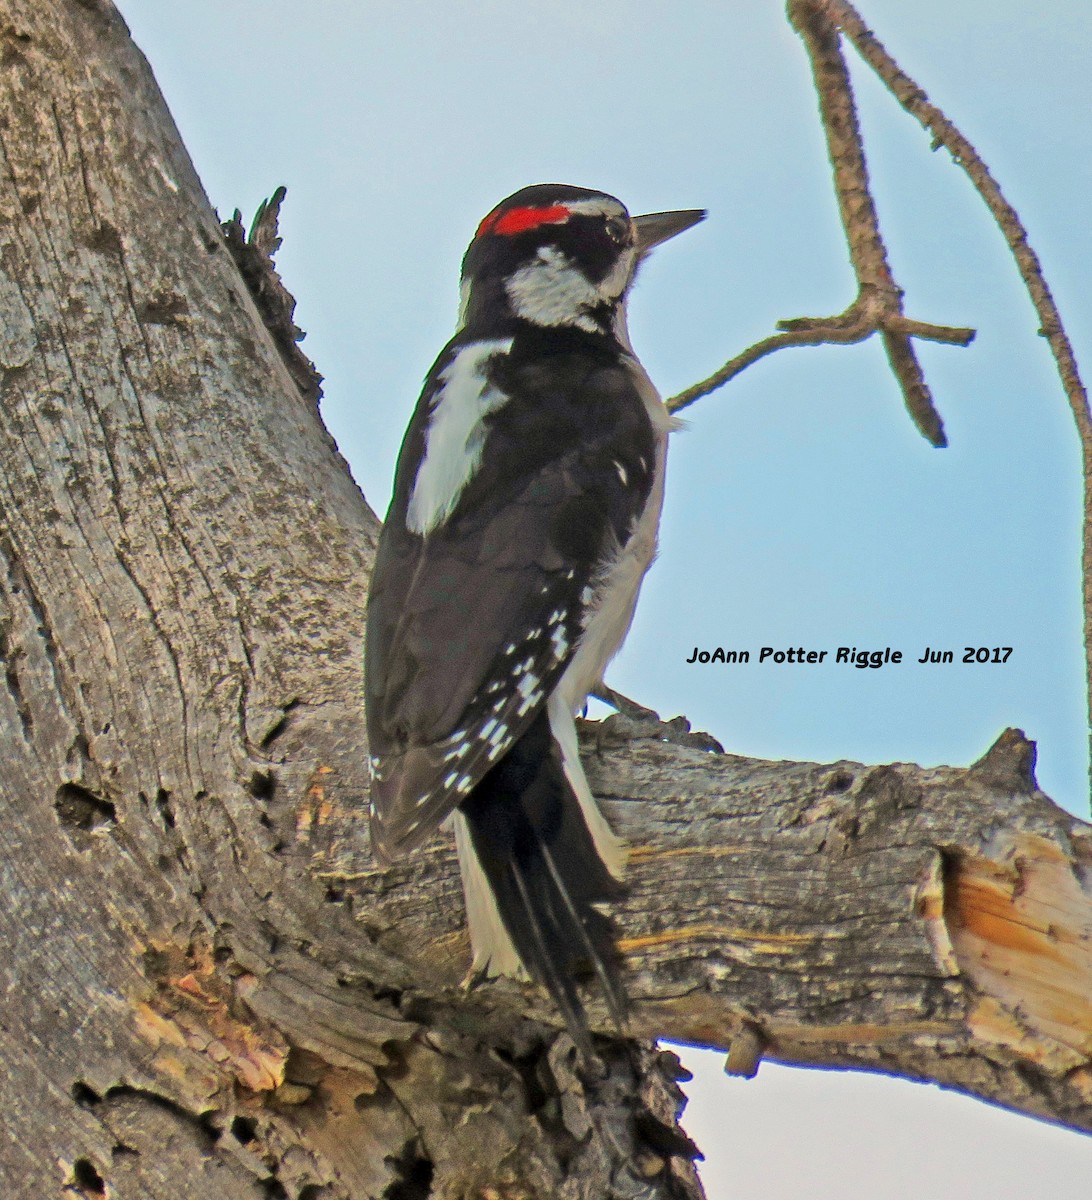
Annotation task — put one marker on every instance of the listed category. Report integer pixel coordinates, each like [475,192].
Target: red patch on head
[519,220]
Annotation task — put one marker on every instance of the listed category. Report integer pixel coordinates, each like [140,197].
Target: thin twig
[806,331]
[914,100]
[854,325]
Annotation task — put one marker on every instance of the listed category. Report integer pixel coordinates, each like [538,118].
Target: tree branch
[855,324]
[935,924]
[914,100]
[878,306]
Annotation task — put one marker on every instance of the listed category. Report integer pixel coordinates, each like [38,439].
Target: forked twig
[914,100]
[855,324]
[878,306]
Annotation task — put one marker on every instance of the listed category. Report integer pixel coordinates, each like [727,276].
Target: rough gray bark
[208,988]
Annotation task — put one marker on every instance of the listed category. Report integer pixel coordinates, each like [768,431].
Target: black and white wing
[486,567]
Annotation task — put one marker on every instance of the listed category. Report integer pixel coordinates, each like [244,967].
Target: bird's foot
[619,728]
[623,704]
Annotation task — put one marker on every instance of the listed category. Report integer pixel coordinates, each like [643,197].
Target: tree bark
[209,990]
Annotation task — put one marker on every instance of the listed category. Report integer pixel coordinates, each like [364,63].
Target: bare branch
[914,100]
[803,331]
[950,335]
[915,391]
[854,324]
[934,923]
[878,306]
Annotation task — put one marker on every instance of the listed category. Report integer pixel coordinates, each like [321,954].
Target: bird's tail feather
[540,861]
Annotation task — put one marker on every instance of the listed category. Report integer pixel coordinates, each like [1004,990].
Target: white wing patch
[454,438]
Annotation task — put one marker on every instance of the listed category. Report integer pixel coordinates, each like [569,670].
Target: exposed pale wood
[1021,929]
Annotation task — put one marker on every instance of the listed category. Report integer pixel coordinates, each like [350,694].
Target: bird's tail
[522,835]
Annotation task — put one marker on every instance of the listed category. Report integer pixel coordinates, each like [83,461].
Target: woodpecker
[525,511]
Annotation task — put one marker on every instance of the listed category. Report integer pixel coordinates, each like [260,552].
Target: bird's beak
[654,228]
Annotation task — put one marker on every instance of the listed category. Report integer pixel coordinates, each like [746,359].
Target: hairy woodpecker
[524,517]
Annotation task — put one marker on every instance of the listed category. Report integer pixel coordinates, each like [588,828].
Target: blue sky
[803,508]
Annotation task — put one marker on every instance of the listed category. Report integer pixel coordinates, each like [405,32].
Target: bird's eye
[618,229]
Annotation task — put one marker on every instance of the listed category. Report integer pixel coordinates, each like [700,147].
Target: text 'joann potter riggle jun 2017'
[849,656]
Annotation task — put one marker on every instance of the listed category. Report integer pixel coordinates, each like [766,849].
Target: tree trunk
[209,990]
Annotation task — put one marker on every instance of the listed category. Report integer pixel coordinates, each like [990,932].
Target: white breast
[615,597]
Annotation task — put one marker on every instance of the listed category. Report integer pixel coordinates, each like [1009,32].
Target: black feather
[566,471]
[541,863]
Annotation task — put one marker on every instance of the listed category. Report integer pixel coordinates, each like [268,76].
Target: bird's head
[559,256]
